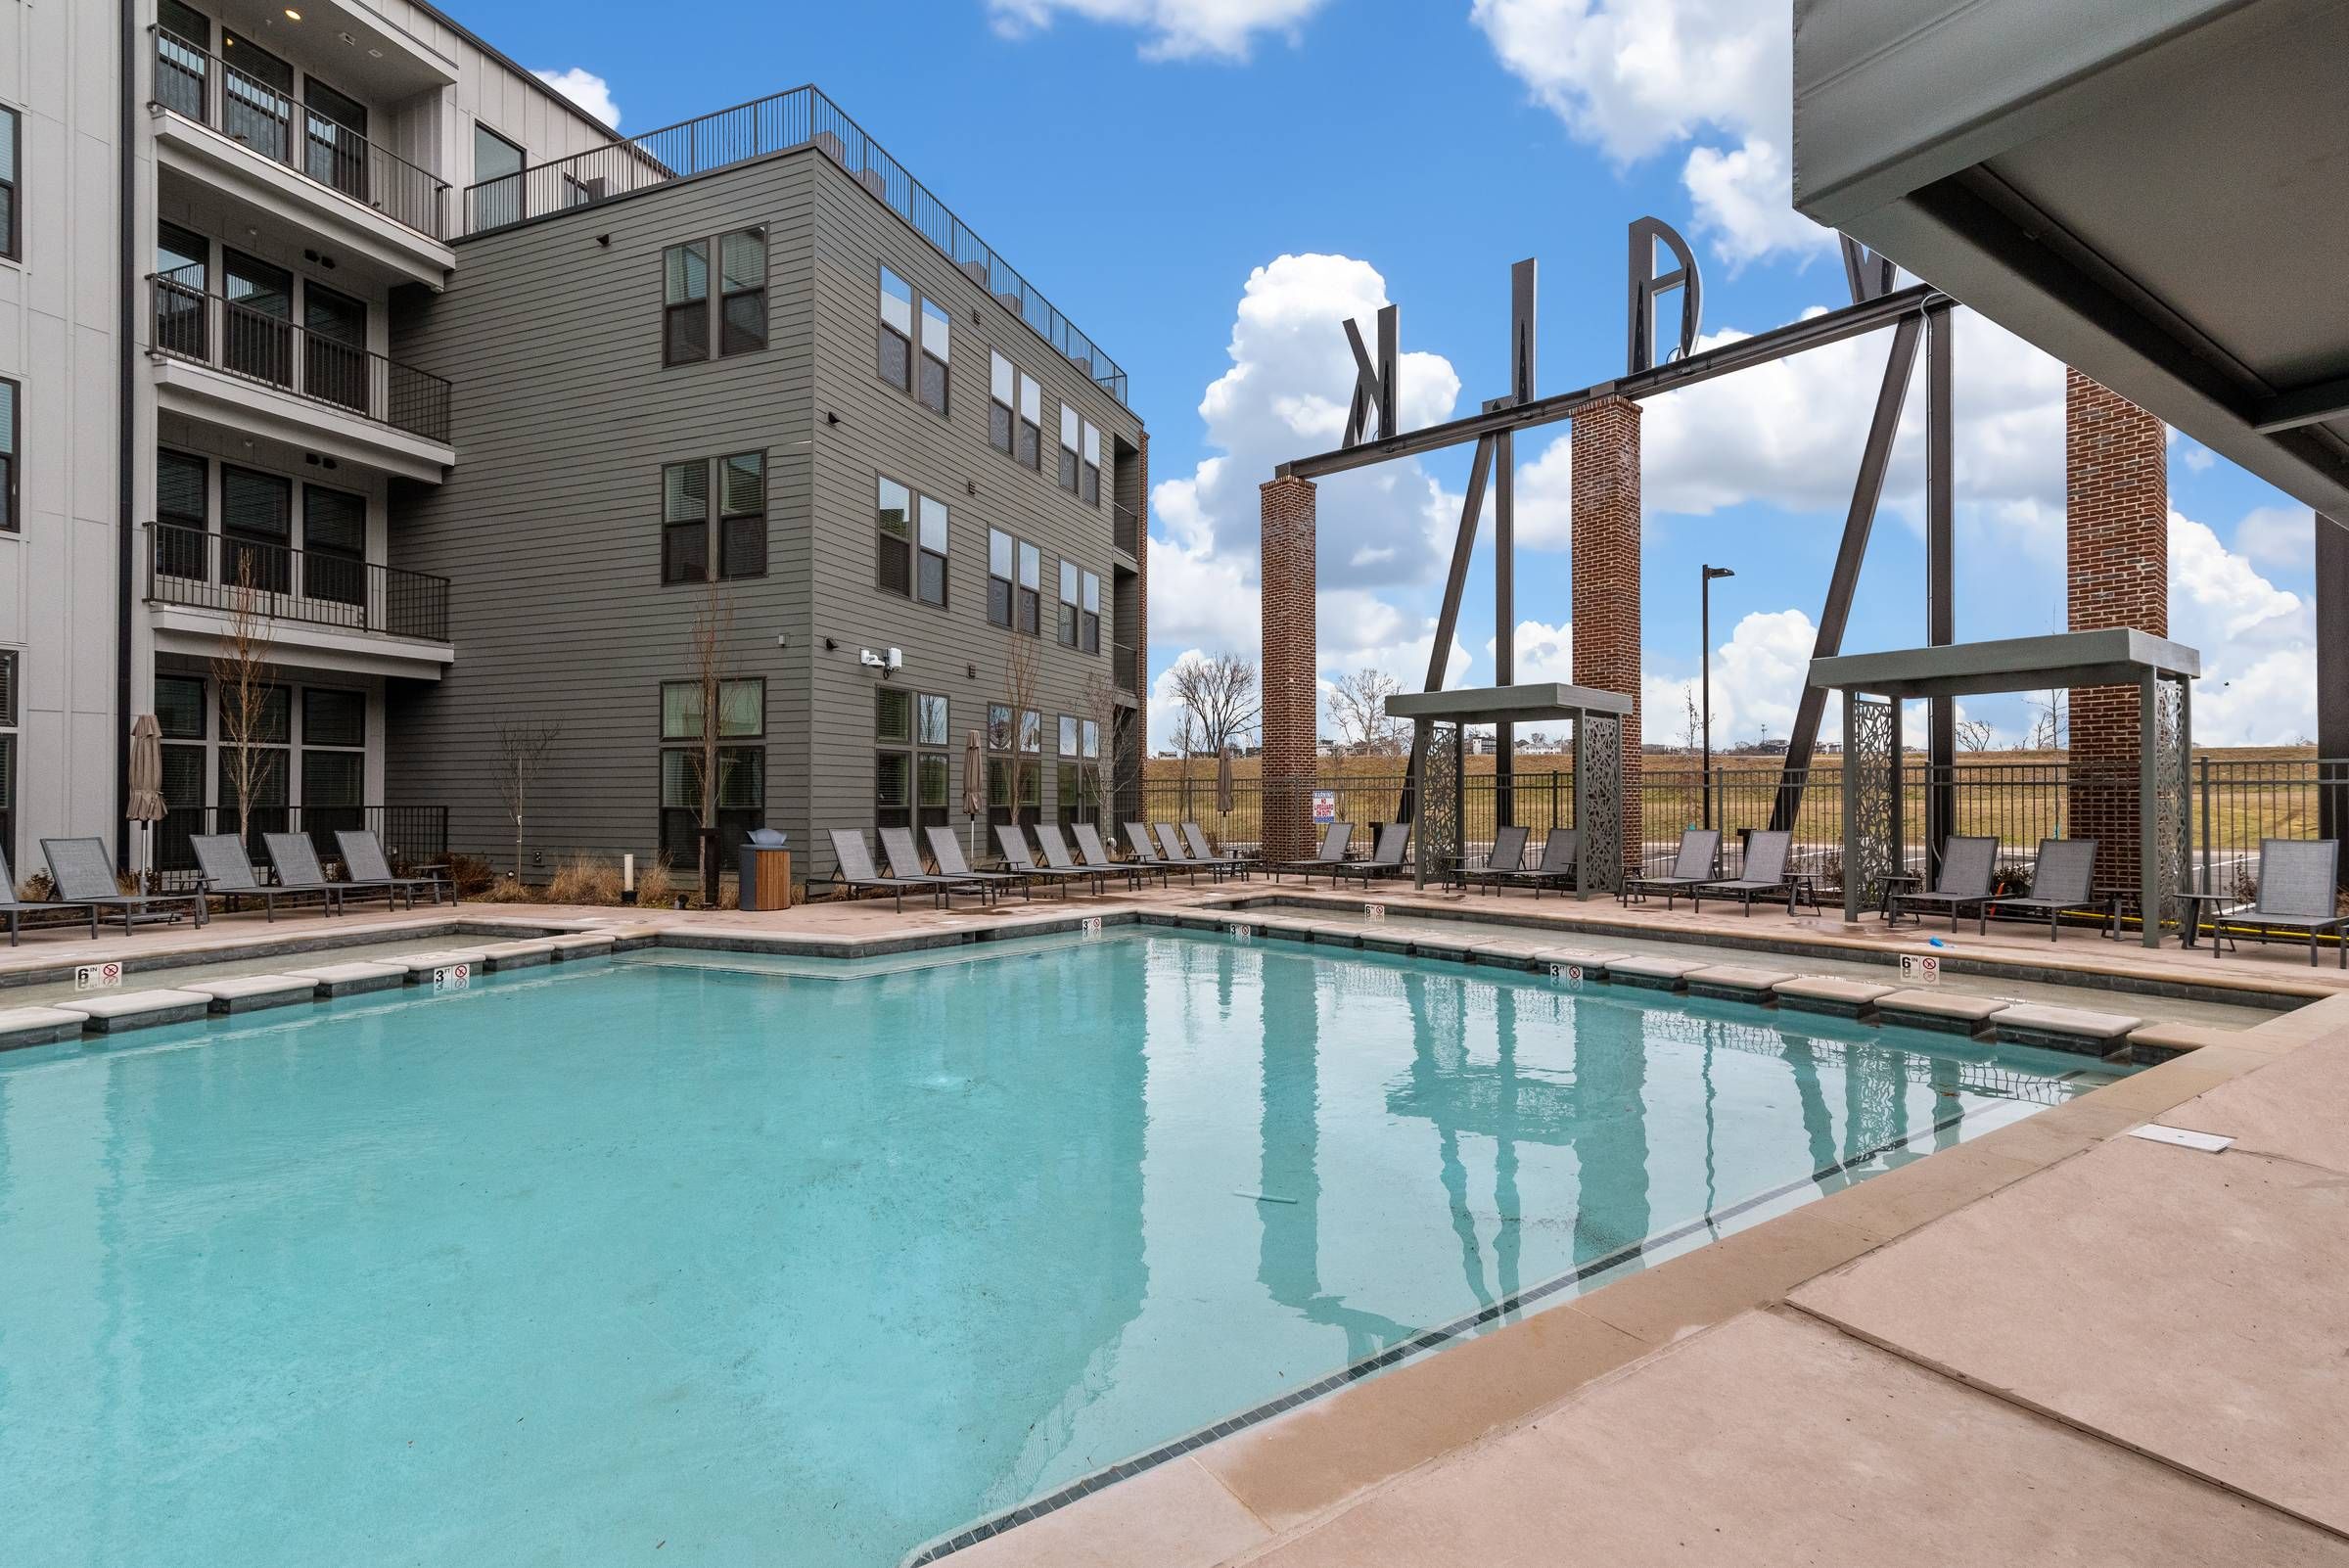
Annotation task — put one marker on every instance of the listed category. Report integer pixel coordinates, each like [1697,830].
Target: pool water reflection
[686,1250]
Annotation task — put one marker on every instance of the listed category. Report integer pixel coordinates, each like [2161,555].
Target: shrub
[471,875]
[583,879]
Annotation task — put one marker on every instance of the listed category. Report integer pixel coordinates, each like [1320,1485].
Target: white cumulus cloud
[2258,642]
[1641,78]
[1177,29]
[584,88]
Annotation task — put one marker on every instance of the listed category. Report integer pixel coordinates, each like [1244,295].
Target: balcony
[232,130]
[1128,528]
[250,369]
[1127,665]
[334,610]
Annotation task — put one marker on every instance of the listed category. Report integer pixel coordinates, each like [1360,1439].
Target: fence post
[2202,764]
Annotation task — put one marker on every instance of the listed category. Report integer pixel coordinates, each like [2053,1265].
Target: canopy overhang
[1538,703]
[2118,657]
[2148,190]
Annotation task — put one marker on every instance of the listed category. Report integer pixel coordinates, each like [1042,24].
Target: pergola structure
[1875,685]
[1438,720]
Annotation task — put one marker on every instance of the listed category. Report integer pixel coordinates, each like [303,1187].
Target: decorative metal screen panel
[1437,828]
[1598,801]
[2171,746]
[1871,820]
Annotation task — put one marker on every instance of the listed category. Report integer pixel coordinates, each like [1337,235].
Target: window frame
[925,309]
[722,296]
[1067,586]
[683,527]
[1007,577]
[722,546]
[1088,460]
[883,275]
[997,360]
[697,307]
[1088,614]
[918,754]
[1027,599]
[12,458]
[12,241]
[1029,432]
[1072,425]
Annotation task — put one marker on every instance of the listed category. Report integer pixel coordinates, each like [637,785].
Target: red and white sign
[452,977]
[1921,969]
[97,977]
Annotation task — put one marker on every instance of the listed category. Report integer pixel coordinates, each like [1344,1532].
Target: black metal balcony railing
[412,836]
[800,117]
[210,329]
[212,92]
[1126,667]
[1126,527]
[227,572]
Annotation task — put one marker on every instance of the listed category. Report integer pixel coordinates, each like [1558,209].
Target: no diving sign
[1920,968]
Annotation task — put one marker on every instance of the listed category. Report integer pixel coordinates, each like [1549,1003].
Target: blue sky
[1149,164]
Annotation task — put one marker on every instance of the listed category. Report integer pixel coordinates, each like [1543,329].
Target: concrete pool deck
[2052,1342]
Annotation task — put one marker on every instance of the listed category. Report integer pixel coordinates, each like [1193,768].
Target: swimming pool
[755,1261]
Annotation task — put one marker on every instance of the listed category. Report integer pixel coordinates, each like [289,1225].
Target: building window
[685,303]
[893,520]
[254,760]
[685,522]
[1003,762]
[9,661]
[936,333]
[1031,413]
[1088,488]
[1000,380]
[497,166]
[1065,629]
[10,521]
[257,530]
[1091,637]
[740,770]
[930,574]
[1030,597]
[1068,735]
[179,706]
[1069,426]
[1091,739]
[12,144]
[741,291]
[894,346]
[334,546]
[333,762]
[742,515]
[909,761]
[999,577]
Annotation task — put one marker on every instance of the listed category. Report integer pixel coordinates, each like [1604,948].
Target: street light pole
[1704,634]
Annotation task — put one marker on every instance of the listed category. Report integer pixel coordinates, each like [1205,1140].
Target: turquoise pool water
[693,1260]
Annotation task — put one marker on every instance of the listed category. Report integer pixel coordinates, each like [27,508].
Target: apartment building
[750,374]
[319,331]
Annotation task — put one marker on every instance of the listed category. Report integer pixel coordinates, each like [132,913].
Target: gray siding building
[783,392]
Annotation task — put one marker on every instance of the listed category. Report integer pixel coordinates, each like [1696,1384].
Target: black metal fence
[799,118]
[265,116]
[2232,805]
[262,346]
[228,573]
[412,836]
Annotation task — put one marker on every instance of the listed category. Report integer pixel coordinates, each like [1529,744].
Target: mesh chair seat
[1691,868]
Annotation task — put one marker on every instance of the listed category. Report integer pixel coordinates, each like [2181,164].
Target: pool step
[137,1009]
[1737,983]
[504,956]
[1931,1009]
[353,979]
[245,993]
[1824,994]
[38,1026]
[1655,974]
[2064,1029]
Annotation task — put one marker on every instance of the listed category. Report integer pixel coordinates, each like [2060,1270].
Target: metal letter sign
[1375,386]
[1647,286]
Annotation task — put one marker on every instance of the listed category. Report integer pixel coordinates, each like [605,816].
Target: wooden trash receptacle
[765,871]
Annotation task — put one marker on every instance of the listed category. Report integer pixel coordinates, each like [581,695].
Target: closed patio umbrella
[974,788]
[1224,781]
[145,803]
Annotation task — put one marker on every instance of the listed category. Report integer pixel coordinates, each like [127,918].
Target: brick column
[1605,455]
[1292,696]
[1139,763]
[2117,571]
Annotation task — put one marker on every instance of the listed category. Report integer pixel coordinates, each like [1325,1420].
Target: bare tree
[1220,693]
[1693,723]
[521,749]
[1022,681]
[2048,720]
[1975,734]
[713,627]
[241,674]
[1106,767]
[1358,711]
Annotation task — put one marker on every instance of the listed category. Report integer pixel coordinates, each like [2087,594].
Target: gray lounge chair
[295,859]
[1505,859]
[1967,867]
[1015,855]
[17,908]
[365,865]
[1559,865]
[1146,851]
[2296,892]
[1334,839]
[1386,857]
[226,873]
[945,853]
[2062,881]
[1174,852]
[83,872]
[1096,852]
[1691,868]
[905,859]
[854,872]
[1058,859]
[1762,876]
[1194,838]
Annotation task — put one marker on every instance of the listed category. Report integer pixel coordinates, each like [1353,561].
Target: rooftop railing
[261,346]
[800,117]
[242,106]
